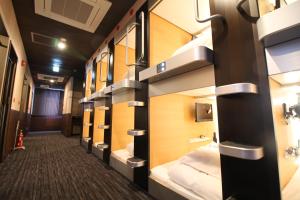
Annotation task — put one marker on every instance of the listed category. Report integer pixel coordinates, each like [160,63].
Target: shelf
[103,126]
[135,162]
[84,100]
[199,139]
[241,151]
[102,146]
[236,88]
[108,90]
[125,85]
[136,104]
[136,132]
[99,95]
[86,139]
[88,110]
[189,60]
[103,108]
[87,124]
[280,25]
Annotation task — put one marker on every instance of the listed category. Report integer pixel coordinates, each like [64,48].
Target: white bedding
[97,143]
[124,154]
[160,175]
[291,190]
[204,39]
[196,175]
[86,139]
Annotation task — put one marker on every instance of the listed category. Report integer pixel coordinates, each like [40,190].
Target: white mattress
[160,175]
[291,190]
[122,155]
[86,139]
[96,144]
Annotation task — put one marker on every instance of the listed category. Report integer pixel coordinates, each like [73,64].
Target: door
[6,97]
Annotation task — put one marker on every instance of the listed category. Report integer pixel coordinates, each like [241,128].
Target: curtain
[47,102]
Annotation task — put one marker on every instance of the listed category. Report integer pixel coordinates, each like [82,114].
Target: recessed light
[55,68]
[61,45]
[51,81]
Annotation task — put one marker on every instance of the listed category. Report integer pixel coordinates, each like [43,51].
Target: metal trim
[101,126]
[135,162]
[241,151]
[88,124]
[135,132]
[136,104]
[125,85]
[236,88]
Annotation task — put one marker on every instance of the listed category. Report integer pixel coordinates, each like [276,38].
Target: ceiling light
[61,45]
[55,68]
[51,81]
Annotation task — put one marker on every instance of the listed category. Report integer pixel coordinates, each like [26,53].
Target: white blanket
[204,185]
[291,190]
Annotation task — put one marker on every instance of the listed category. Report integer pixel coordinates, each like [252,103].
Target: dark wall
[47,102]
[47,110]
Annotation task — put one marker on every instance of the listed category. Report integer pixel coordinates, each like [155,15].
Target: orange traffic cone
[20,139]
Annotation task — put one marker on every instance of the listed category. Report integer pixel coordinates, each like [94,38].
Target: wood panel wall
[46,123]
[120,68]
[165,39]
[86,120]
[98,120]
[284,132]
[122,121]
[172,124]
[86,115]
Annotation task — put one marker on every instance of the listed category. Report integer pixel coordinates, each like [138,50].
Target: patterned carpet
[55,167]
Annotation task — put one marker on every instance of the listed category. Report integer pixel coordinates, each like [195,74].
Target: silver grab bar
[245,15]
[216,16]
[128,29]
[102,55]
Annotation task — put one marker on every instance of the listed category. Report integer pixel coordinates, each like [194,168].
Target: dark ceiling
[80,44]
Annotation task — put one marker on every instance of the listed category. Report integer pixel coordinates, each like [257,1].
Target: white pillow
[205,159]
[130,148]
[203,39]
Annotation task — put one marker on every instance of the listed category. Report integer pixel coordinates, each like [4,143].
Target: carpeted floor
[56,167]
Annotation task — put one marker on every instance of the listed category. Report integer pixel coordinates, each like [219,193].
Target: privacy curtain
[47,102]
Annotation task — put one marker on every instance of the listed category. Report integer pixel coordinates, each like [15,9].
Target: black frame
[141,143]
[108,103]
[245,119]
[6,98]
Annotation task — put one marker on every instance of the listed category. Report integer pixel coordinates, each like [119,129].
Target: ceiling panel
[80,44]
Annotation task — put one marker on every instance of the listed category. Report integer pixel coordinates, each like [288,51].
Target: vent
[82,14]
[44,77]
[44,86]
[41,39]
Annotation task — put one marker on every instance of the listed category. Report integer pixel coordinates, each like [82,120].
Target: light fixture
[55,67]
[62,44]
[51,81]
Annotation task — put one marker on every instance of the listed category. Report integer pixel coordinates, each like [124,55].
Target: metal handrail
[248,17]
[128,29]
[216,16]
[102,55]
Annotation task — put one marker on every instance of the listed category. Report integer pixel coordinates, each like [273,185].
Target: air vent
[82,14]
[44,86]
[45,77]
[43,39]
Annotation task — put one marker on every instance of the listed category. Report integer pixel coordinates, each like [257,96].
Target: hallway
[56,167]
